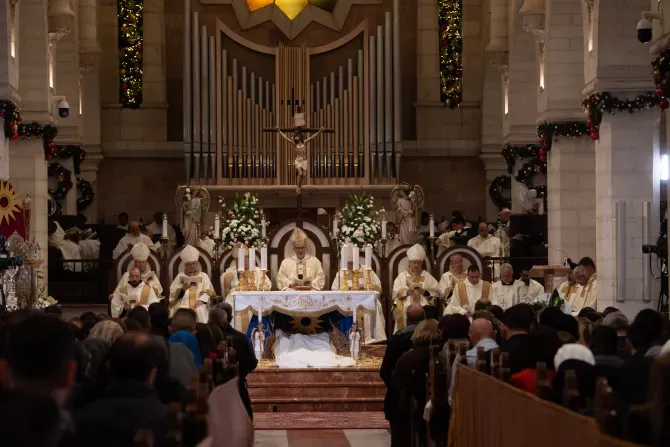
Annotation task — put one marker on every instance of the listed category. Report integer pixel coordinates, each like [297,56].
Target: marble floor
[330,438]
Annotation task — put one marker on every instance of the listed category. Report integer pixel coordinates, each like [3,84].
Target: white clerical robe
[445,242]
[529,293]
[148,277]
[128,241]
[466,296]
[312,271]
[155,228]
[569,292]
[376,285]
[143,294]
[587,297]
[449,280]
[56,238]
[505,295]
[230,282]
[392,244]
[208,245]
[403,287]
[489,246]
[70,251]
[90,249]
[201,292]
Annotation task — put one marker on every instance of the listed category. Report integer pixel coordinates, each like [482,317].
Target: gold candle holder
[247,280]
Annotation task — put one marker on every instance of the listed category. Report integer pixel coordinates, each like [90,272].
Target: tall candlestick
[431,226]
[368,256]
[383,229]
[164,233]
[217,226]
[252,259]
[343,258]
[334,227]
[264,258]
[240,260]
[356,254]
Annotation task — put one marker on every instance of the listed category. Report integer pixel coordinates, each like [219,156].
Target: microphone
[565,254]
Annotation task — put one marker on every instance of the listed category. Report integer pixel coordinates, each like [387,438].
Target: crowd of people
[634,358]
[99,381]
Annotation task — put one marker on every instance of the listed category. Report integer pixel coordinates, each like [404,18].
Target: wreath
[63,181]
[529,169]
[512,153]
[75,151]
[85,194]
[498,185]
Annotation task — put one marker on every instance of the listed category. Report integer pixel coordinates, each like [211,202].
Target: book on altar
[191,279]
[303,282]
[127,299]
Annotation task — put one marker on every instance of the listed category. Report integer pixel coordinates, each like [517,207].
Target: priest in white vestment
[230,282]
[586,276]
[444,240]
[192,288]
[569,289]
[56,237]
[414,285]
[468,292]
[140,254]
[370,281]
[156,228]
[133,237]
[133,293]
[300,268]
[207,244]
[452,276]
[70,250]
[487,245]
[505,293]
[529,289]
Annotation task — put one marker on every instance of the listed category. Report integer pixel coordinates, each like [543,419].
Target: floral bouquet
[241,223]
[43,303]
[555,300]
[359,221]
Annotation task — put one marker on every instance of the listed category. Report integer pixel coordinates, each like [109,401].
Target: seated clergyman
[300,270]
[192,288]
[364,279]
[468,292]
[505,293]
[140,254]
[414,285]
[455,274]
[134,292]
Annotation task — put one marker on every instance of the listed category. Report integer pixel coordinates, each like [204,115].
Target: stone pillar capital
[87,61]
[500,61]
[61,18]
[534,24]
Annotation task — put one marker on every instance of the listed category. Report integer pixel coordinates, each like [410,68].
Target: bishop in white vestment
[191,289]
[468,292]
[133,293]
[140,253]
[414,278]
[451,277]
[505,293]
[588,295]
[301,267]
[133,237]
[529,289]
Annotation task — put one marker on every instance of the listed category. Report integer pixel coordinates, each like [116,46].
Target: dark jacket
[521,352]
[246,359]
[115,418]
[397,345]
[633,390]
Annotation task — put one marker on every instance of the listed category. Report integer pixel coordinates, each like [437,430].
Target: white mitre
[189,254]
[140,252]
[416,253]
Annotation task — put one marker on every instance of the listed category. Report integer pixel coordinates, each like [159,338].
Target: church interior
[334,222]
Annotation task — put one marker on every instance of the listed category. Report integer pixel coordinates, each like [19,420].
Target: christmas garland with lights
[85,194]
[547,131]
[63,181]
[450,16]
[498,185]
[529,169]
[130,22]
[75,151]
[598,103]
[11,117]
[47,133]
[661,72]
[512,153]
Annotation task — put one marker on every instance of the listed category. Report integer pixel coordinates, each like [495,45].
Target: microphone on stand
[565,254]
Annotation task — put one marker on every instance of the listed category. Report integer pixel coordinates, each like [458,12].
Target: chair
[175,266]
[125,259]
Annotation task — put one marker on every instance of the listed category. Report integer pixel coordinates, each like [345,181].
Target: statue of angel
[408,203]
[192,202]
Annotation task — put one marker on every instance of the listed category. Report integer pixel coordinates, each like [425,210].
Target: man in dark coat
[516,325]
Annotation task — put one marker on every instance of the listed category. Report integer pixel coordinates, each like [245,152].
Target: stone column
[9,51]
[627,172]
[34,62]
[67,84]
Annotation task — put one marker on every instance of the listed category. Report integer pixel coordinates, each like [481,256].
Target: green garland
[661,73]
[85,194]
[596,104]
[11,117]
[529,169]
[512,153]
[76,151]
[63,181]
[498,185]
[131,22]
[547,131]
[47,133]
[450,16]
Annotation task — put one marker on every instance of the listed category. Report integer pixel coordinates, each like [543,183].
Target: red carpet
[322,421]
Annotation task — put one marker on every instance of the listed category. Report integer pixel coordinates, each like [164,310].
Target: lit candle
[343,257]
[165,232]
[240,260]
[356,257]
[334,227]
[217,226]
[368,256]
[252,259]
[383,229]
[263,226]
[264,258]
[431,226]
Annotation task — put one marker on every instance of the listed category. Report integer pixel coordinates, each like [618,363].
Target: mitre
[236,250]
[298,237]
[140,252]
[189,254]
[416,253]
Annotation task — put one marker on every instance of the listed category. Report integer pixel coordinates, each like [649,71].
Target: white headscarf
[574,351]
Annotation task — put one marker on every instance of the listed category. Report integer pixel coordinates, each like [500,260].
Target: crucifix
[299,141]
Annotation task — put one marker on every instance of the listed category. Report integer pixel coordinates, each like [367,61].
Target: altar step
[312,389]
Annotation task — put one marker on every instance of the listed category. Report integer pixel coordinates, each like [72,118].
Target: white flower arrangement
[360,222]
[43,303]
[241,223]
